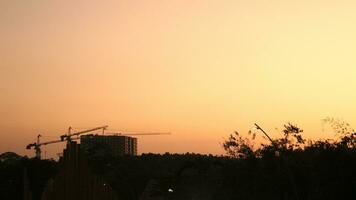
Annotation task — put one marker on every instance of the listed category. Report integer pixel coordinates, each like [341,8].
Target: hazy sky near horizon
[197,68]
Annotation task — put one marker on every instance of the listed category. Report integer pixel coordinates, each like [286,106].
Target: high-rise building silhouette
[119,145]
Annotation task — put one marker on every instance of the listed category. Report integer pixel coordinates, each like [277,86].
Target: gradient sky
[197,68]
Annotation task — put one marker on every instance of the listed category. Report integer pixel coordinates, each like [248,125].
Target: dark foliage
[290,167]
[320,171]
[12,170]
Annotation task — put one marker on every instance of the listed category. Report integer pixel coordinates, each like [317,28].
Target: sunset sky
[197,68]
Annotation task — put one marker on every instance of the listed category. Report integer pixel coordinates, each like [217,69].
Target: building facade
[119,145]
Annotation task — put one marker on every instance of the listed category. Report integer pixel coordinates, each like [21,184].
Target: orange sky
[197,68]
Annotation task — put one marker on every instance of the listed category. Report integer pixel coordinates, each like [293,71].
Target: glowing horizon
[198,69]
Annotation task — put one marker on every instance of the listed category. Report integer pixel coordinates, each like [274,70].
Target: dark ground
[313,173]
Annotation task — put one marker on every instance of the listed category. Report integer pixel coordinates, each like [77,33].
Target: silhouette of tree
[292,138]
[347,135]
[238,146]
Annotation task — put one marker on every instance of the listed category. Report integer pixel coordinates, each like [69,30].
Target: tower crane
[69,135]
[66,137]
[37,145]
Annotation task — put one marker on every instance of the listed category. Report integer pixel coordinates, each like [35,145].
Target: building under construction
[118,145]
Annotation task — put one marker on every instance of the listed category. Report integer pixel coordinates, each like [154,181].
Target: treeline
[320,173]
[316,173]
[14,168]
[289,167]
